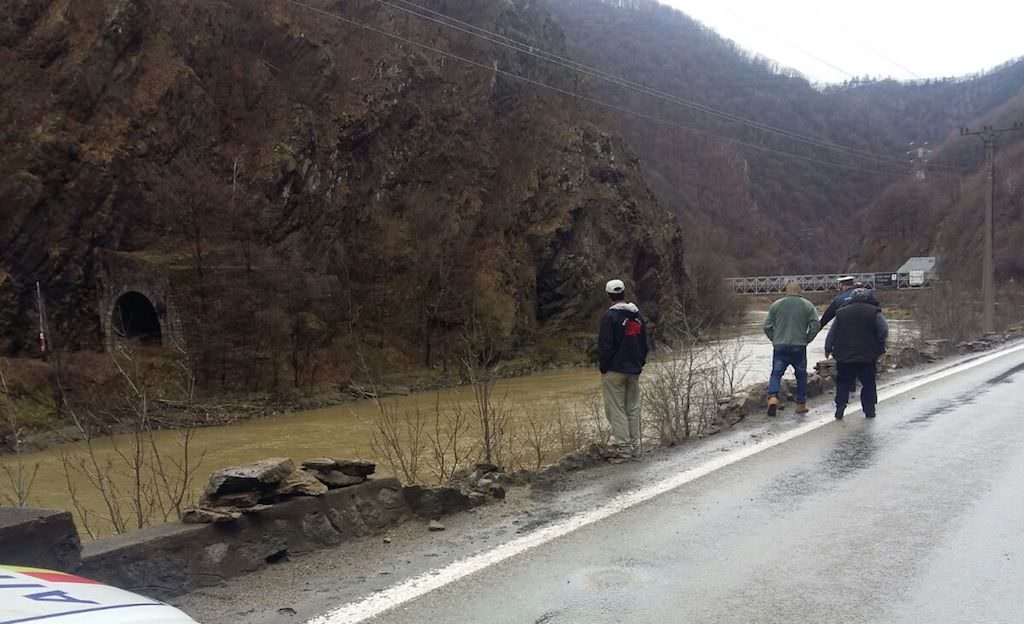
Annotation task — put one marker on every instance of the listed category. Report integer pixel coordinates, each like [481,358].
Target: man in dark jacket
[622,353]
[843,298]
[857,339]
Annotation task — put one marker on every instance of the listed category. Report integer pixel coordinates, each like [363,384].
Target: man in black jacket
[622,353]
[857,339]
[843,298]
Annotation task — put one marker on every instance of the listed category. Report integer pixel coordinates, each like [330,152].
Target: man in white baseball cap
[845,290]
[622,354]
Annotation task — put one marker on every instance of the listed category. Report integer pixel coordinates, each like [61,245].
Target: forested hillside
[324,178]
[944,214]
[773,200]
[316,189]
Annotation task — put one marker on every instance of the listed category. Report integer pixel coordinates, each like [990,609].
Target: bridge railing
[821,282]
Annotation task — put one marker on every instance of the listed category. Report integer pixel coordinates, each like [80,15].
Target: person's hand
[828,356]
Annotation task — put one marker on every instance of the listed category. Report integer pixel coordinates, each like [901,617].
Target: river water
[549,406]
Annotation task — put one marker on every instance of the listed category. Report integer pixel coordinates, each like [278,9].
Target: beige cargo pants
[622,407]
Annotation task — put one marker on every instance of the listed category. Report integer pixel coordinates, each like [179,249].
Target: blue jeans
[783,358]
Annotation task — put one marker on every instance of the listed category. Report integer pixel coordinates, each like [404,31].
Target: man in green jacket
[791,325]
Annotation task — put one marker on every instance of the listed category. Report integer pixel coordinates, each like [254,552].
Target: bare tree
[138,480]
[682,393]
[400,439]
[448,434]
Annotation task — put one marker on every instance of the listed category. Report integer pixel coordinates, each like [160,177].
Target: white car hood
[31,595]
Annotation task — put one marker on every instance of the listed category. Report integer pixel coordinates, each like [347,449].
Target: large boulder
[339,473]
[238,500]
[434,502]
[258,476]
[336,479]
[351,467]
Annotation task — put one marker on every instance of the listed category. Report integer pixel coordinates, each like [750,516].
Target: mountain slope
[776,202]
[317,188]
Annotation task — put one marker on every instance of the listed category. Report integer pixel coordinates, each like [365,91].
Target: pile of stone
[251,488]
[339,473]
[981,344]
[467,489]
[826,369]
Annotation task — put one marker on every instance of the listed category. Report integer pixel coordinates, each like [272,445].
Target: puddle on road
[1005,377]
[856,450]
[945,408]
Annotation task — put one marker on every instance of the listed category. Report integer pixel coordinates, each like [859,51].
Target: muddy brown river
[548,405]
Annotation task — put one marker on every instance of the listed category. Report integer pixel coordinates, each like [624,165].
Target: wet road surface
[915,517]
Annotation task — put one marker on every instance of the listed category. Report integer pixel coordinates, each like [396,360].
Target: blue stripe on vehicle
[39,618]
[21,586]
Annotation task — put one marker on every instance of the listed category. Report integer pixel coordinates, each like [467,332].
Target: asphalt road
[916,517]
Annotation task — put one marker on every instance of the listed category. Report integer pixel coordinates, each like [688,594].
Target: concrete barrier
[40,538]
[170,559]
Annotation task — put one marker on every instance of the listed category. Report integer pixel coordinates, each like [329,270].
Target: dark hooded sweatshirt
[622,340]
[860,330]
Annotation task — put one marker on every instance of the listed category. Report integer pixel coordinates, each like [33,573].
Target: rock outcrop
[391,190]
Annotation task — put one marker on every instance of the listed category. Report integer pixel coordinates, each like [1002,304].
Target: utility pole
[42,320]
[988,135]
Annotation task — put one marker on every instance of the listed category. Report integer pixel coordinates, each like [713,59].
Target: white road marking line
[378,603]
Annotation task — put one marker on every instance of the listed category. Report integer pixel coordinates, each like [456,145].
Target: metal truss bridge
[823,282]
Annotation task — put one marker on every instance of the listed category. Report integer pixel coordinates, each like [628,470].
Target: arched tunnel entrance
[136,318]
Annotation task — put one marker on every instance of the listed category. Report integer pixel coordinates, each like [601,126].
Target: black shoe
[840,411]
[869,414]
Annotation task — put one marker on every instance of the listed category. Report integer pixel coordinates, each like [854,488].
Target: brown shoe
[801,408]
[773,405]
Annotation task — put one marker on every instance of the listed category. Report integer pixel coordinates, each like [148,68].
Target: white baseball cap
[615,287]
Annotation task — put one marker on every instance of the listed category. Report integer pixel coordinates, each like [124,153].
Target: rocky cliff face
[269,141]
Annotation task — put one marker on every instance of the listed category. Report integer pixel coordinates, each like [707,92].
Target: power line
[785,40]
[877,53]
[525,48]
[583,98]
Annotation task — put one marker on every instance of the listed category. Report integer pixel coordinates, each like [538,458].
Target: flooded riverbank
[548,410]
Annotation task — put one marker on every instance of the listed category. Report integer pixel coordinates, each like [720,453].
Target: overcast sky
[828,40]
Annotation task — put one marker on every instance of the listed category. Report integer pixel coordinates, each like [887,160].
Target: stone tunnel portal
[135,318]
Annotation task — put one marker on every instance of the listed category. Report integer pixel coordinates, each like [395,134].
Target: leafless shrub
[540,435]
[682,393]
[596,424]
[490,412]
[729,357]
[400,439]
[448,436]
[943,311]
[576,427]
[137,480]
[670,395]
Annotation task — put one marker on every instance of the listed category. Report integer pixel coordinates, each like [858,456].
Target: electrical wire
[456,24]
[583,98]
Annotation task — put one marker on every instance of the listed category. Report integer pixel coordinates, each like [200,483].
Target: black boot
[840,410]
